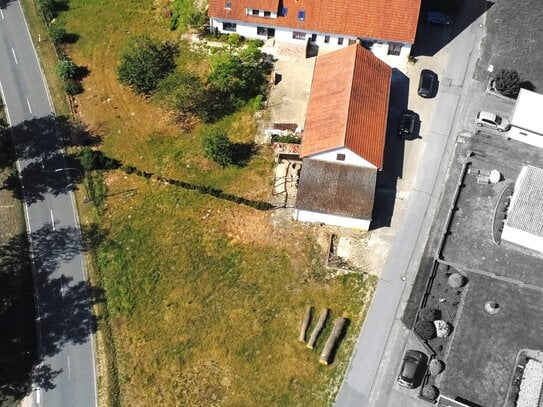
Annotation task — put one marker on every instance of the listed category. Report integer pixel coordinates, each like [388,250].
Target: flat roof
[528,111]
[526,208]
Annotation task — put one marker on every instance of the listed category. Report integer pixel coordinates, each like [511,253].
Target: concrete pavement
[65,374]
[370,377]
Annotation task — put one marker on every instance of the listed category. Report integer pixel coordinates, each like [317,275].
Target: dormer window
[284,12]
[301,15]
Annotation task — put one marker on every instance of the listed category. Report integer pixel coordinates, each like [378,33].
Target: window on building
[326,39]
[254,12]
[267,13]
[229,26]
[284,11]
[340,41]
[298,35]
[340,157]
[262,31]
[394,49]
[228,4]
[313,37]
[351,41]
[301,15]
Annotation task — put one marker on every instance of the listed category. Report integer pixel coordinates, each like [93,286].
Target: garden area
[205,296]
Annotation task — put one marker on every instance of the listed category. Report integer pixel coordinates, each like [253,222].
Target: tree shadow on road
[64,306]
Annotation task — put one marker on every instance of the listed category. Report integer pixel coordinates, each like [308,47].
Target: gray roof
[336,189]
[526,210]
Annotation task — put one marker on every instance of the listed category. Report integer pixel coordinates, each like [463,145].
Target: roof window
[301,15]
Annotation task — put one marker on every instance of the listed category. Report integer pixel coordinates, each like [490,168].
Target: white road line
[52,219]
[14,56]
[68,367]
[28,103]
[38,395]
[1,13]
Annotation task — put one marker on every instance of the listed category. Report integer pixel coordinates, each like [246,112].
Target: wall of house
[350,157]
[335,220]
[522,238]
[325,40]
[525,136]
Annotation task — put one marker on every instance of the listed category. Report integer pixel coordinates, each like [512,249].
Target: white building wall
[522,238]
[350,157]
[324,40]
[525,136]
[335,220]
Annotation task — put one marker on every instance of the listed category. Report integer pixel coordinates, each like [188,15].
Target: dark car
[437,18]
[412,367]
[408,122]
[427,84]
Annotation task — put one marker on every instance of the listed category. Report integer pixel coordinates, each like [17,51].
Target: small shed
[526,122]
[524,223]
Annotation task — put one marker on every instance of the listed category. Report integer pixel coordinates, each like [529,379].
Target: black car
[408,122]
[412,369]
[427,84]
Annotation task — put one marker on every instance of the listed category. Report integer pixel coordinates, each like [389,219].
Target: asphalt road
[65,374]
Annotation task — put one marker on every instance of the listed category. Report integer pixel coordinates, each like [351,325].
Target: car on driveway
[492,121]
[437,18]
[413,365]
[407,124]
[427,84]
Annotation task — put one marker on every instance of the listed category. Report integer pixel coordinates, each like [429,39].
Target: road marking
[68,357]
[2,14]
[5,103]
[52,219]
[38,396]
[14,56]
[28,103]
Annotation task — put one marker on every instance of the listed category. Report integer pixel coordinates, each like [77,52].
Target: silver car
[492,121]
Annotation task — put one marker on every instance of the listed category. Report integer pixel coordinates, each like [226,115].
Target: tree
[507,82]
[217,147]
[72,87]
[66,68]
[145,62]
[425,329]
[184,92]
[56,33]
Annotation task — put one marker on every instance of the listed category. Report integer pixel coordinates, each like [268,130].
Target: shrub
[66,68]
[47,9]
[73,87]
[429,314]
[456,280]
[56,33]
[507,82]
[286,139]
[425,329]
[430,392]
[443,329]
[436,367]
[217,147]
[144,62]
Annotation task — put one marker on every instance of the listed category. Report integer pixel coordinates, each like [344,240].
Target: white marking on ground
[5,103]
[68,367]
[1,13]
[38,395]
[14,56]
[28,103]
[52,219]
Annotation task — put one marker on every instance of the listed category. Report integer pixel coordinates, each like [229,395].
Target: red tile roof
[348,104]
[394,21]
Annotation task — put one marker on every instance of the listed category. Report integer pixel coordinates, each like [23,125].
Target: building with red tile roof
[389,26]
[344,138]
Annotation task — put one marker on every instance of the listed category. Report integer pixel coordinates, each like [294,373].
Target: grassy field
[204,297]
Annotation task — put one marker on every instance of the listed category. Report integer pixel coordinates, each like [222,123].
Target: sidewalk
[367,380]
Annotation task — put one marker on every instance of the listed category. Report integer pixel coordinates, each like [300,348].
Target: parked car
[427,84]
[492,121]
[412,369]
[407,124]
[437,18]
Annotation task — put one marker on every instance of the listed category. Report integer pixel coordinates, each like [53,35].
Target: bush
[436,367]
[429,314]
[144,62]
[425,329]
[286,139]
[73,87]
[443,329]
[184,92]
[430,392]
[218,147]
[66,68]
[47,9]
[507,82]
[456,280]
[56,33]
